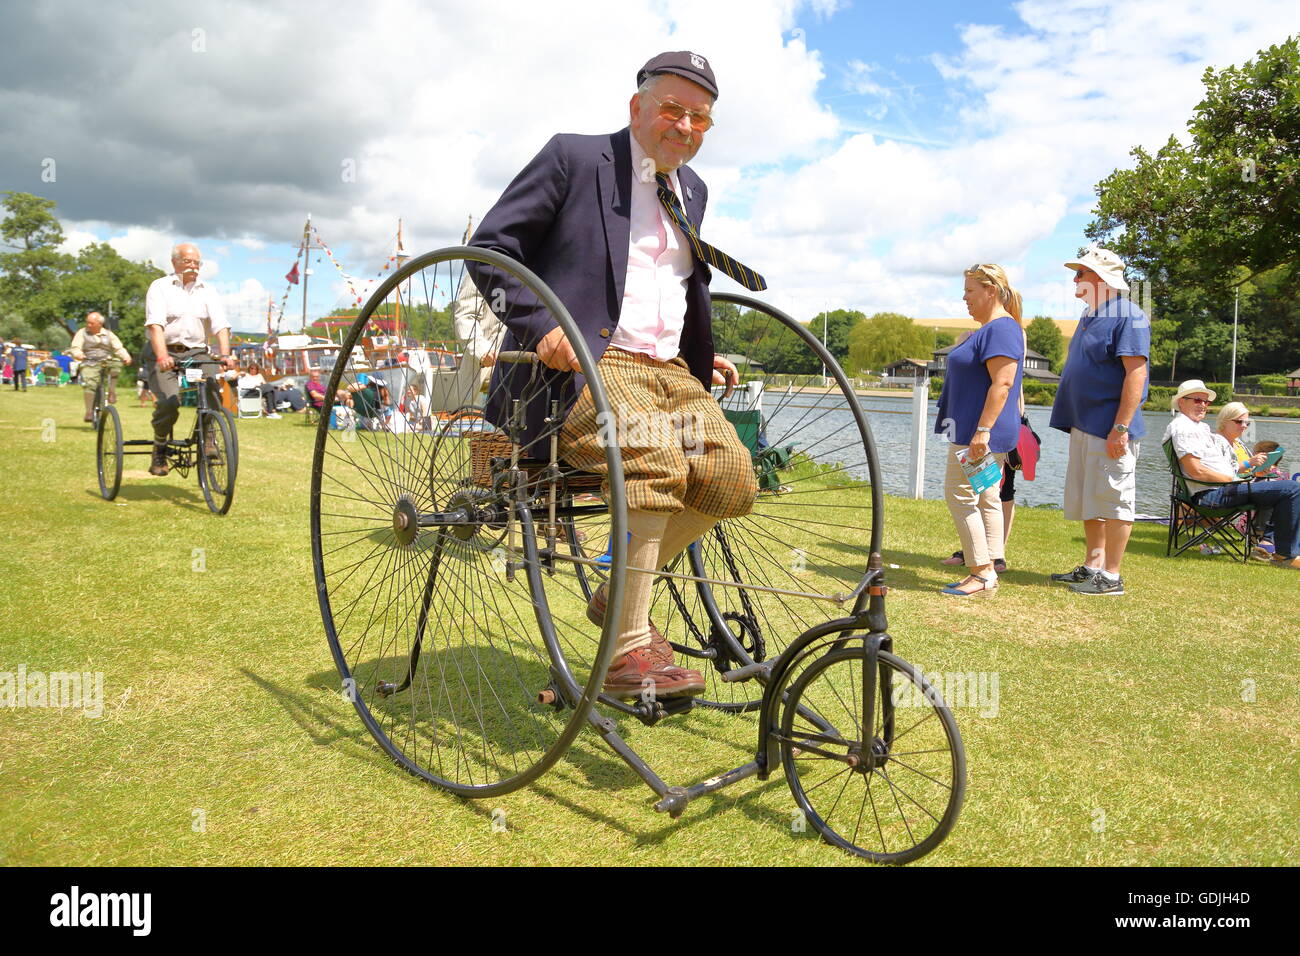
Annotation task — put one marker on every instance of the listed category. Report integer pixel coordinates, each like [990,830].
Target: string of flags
[358,296]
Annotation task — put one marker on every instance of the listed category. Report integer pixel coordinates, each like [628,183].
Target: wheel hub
[405,521]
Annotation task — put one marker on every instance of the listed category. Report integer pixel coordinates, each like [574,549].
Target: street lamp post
[1236,299]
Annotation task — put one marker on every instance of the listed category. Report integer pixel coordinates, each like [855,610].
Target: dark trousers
[1282,496]
[166,389]
[20,375]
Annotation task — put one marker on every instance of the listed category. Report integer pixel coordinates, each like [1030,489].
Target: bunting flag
[292,275]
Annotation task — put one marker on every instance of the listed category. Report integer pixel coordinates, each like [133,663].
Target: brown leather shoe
[159,465]
[637,671]
[659,646]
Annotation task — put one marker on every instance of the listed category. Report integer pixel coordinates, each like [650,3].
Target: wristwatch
[1122,429]
[983,428]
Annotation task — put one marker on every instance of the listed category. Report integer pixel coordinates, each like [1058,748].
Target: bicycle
[212,448]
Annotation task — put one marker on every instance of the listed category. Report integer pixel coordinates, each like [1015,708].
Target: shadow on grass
[190,498]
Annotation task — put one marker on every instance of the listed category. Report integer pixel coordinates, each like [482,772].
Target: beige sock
[646,531]
[683,528]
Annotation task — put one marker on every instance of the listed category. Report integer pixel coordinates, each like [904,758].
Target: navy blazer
[567,216]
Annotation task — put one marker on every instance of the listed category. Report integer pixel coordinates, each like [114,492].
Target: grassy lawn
[1153,729]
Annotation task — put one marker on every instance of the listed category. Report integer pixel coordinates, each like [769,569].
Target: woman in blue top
[976,416]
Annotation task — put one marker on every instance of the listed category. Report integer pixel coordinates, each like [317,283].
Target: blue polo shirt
[1088,396]
[967,381]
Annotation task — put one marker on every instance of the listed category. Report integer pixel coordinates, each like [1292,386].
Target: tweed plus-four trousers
[678,449]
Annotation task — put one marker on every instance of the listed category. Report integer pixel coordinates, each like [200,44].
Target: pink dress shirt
[658,264]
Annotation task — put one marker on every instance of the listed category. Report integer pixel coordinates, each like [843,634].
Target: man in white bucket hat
[1099,403]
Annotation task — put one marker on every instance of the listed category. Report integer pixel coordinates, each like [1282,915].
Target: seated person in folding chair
[610,223]
[1205,456]
[370,402]
[315,390]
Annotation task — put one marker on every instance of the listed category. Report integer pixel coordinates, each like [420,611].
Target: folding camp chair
[1192,524]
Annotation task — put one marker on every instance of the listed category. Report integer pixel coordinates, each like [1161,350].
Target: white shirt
[188,314]
[1196,438]
[659,262]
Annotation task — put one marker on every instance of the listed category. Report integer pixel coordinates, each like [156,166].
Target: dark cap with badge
[681,63]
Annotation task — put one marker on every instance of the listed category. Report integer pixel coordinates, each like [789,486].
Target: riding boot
[159,465]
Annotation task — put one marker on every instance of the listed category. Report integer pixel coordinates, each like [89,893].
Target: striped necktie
[746,276]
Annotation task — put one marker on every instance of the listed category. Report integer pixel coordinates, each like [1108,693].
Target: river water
[890,420]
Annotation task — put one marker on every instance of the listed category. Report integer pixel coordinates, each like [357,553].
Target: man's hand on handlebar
[555,352]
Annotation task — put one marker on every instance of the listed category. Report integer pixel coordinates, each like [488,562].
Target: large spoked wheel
[448,594]
[108,452]
[890,795]
[218,456]
[814,524]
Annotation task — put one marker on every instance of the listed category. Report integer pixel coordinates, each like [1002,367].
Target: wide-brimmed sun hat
[1106,264]
[1192,386]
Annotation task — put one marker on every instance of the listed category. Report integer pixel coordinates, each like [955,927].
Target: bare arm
[1196,470]
[1130,397]
[1002,370]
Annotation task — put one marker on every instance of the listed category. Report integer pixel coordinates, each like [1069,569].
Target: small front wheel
[891,795]
[108,452]
[218,460]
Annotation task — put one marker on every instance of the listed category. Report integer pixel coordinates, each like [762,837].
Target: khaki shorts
[1096,485]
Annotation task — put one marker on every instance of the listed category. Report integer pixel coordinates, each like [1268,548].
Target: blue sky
[865,152]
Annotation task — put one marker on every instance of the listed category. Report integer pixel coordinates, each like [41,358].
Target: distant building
[1293,381]
[904,371]
[1037,367]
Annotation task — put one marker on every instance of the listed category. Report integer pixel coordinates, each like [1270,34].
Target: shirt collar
[178,281]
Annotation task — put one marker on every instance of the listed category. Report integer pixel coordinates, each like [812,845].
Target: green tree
[1046,339]
[1218,215]
[944,338]
[833,329]
[887,337]
[33,265]
[98,277]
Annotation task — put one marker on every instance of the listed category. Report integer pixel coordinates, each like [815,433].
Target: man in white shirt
[181,313]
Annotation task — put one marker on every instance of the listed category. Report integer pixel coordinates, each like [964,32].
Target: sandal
[987,586]
[955,558]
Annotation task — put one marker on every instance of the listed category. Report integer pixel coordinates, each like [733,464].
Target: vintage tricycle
[454,568]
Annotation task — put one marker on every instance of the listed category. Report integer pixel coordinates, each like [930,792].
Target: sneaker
[1260,554]
[1283,562]
[637,671]
[1099,584]
[660,649]
[272,415]
[1077,576]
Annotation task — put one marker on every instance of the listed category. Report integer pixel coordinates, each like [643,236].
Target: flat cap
[682,63]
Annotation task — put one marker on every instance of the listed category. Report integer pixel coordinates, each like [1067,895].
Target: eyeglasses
[1196,401]
[187,261]
[1081,274]
[673,112]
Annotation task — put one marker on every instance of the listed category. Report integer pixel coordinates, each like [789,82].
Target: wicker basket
[484,447]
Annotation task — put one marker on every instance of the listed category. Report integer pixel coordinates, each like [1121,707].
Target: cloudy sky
[864,154]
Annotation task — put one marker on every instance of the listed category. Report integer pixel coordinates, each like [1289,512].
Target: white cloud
[432,130]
